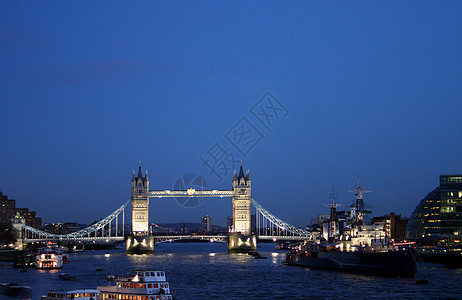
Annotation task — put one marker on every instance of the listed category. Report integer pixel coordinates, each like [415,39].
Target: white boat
[84,294]
[146,285]
[49,258]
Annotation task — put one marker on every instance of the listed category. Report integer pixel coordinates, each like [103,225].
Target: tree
[7,233]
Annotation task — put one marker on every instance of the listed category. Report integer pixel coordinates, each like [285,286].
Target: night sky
[310,95]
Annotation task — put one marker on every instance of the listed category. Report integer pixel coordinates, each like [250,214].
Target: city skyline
[358,90]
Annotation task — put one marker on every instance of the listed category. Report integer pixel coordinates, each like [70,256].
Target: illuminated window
[447,209]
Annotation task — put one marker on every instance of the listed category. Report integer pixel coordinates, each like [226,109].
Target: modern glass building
[425,222]
[437,219]
[451,207]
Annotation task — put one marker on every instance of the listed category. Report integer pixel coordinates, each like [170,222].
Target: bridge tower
[140,241]
[17,221]
[140,203]
[241,202]
[241,239]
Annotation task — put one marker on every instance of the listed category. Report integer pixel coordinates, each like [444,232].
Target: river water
[207,271]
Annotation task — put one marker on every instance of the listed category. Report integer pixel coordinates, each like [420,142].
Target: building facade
[206,223]
[62,228]
[229,223]
[7,208]
[437,219]
[8,211]
[451,208]
[394,225]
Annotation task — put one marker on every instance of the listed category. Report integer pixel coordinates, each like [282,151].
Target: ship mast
[359,202]
[333,214]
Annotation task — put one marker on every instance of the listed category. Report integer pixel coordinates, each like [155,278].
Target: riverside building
[8,211]
[206,223]
[437,219]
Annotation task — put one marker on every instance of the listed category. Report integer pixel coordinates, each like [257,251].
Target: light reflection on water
[207,271]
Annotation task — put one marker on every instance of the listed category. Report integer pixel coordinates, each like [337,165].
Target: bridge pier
[140,244]
[239,243]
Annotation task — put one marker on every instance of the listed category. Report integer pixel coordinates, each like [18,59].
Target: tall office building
[206,223]
[229,223]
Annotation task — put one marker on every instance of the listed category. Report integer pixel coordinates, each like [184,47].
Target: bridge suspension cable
[83,232]
[270,225]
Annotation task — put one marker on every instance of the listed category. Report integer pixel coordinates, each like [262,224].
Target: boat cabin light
[149,276]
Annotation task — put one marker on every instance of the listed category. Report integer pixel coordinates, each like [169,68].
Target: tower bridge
[240,238]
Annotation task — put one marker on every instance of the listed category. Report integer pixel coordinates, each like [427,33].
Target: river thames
[207,271]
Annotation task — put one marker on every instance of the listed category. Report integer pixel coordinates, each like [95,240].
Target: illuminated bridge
[268,226]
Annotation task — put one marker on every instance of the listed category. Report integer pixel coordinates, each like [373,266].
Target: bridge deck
[169,237]
[98,238]
[191,193]
[282,238]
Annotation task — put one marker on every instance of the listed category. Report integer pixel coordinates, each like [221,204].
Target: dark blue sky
[87,89]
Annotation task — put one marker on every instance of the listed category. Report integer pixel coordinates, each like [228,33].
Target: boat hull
[14,290]
[392,263]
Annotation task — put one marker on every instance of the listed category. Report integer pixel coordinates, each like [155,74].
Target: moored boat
[77,248]
[15,290]
[24,259]
[399,263]
[149,285]
[357,247]
[450,257]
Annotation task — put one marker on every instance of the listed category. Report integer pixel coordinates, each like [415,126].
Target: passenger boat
[24,259]
[84,294]
[145,285]
[49,258]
